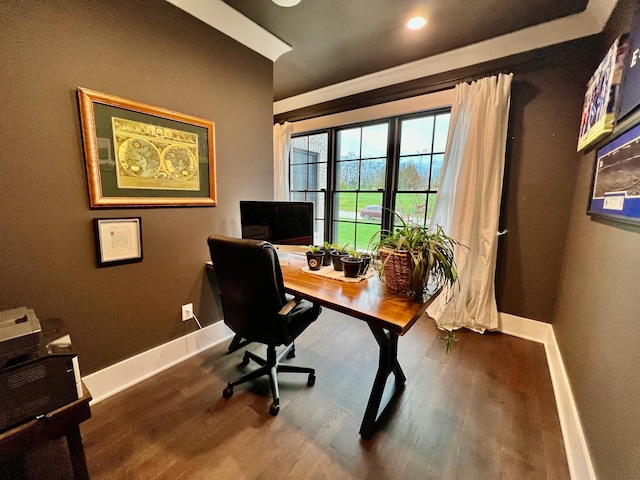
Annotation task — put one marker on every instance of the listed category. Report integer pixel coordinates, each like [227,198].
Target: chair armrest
[290,305]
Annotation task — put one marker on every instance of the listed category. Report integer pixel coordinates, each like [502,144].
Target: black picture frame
[118,241]
[615,182]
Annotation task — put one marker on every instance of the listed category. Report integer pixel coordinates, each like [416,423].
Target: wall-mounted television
[284,223]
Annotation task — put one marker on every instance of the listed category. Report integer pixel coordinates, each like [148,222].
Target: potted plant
[337,252]
[314,257]
[411,255]
[326,248]
[366,262]
[351,264]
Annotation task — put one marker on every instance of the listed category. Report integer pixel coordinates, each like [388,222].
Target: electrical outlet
[187,312]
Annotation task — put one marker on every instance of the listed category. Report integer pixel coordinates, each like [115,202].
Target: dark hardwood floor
[486,410]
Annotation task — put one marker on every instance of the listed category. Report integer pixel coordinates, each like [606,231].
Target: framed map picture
[138,155]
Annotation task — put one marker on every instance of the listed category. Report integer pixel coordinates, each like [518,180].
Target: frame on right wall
[615,189]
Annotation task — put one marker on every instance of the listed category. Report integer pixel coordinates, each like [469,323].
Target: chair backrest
[250,280]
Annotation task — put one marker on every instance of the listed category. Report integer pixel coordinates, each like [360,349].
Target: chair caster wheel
[274,408]
[227,392]
[245,359]
[291,354]
[312,379]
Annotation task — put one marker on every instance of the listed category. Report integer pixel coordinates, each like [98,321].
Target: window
[357,174]
[308,176]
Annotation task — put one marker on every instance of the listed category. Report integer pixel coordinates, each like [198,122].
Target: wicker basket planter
[396,269]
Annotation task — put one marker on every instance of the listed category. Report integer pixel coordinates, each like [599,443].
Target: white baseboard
[115,378]
[118,377]
[578,458]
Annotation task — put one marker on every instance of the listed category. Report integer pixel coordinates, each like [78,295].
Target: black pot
[326,260]
[351,266]
[314,260]
[366,261]
[335,257]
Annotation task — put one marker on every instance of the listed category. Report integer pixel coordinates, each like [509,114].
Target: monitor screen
[285,223]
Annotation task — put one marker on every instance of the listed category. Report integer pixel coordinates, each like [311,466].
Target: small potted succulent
[337,252]
[351,264]
[366,262]
[327,249]
[315,256]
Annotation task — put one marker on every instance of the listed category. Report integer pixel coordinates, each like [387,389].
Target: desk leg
[76,452]
[387,364]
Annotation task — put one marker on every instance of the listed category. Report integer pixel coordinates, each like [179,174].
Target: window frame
[392,166]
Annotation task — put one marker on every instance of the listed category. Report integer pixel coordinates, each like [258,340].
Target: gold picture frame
[138,155]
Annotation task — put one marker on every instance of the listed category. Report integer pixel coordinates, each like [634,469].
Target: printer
[39,370]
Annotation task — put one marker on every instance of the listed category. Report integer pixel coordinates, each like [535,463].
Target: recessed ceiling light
[286,3]
[416,23]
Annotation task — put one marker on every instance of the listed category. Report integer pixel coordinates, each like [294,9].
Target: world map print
[154,157]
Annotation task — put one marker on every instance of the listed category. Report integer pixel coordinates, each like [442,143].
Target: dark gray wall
[597,319]
[148,51]
[540,174]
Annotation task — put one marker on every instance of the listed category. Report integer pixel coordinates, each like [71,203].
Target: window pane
[430,206]
[299,155]
[347,175]
[318,200]
[320,177]
[349,144]
[436,170]
[344,232]
[370,208]
[441,132]
[364,233]
[374,141]
[372,174]
[344,207]
[318,232]
[411,206]
[297,196]
[414,173]
[416,136]
[299,177]
[319,144]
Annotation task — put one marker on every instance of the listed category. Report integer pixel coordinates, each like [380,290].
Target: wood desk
[387,313]
[63,422]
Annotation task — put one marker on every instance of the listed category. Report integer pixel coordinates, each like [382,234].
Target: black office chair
[255,307]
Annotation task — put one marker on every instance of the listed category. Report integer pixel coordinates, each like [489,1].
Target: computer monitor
[284,223]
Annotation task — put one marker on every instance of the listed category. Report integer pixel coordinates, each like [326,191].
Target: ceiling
[337,40]
[353,43]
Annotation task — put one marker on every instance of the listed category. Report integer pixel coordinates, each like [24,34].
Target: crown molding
[232,23]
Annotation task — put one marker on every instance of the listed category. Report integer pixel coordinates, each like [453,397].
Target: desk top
[369,300]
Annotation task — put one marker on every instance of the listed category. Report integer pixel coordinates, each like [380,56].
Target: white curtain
[468,203]
[281,145]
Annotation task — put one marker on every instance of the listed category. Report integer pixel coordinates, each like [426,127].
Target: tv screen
[285,223]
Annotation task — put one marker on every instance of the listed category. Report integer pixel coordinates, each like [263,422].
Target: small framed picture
[118,240]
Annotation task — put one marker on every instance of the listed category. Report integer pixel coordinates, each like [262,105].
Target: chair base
[270,366]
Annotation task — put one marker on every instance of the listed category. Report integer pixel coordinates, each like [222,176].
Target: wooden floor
[484,411]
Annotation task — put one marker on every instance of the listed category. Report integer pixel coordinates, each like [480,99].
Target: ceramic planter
[314,260]
[335,258]
[366,261]
[326,260]
[351,266]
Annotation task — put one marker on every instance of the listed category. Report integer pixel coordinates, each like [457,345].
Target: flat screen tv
[285,223]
